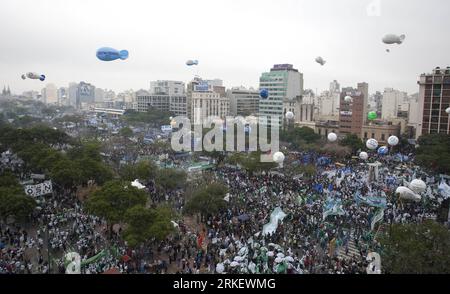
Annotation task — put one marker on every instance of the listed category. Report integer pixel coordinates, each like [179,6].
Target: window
[373,136]
[382,137]
[365,135]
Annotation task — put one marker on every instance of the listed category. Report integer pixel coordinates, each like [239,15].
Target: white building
[392,103]
[335,87]
[99,95]
[175,104]
[207,104]
[243,101]
[166,87]
[283,82]
[328,105]
[50,94]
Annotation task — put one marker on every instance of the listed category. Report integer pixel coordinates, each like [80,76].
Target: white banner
[39,189]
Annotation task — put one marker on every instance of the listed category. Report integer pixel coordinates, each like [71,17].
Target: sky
[234,40]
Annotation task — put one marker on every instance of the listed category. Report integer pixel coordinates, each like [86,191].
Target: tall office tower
[72,94]
[378,100]
[351,114]
[392,103]
[85,94]
[50,94]
[283,82]
[99,95]
[434,99]
[364,89]
[243,101]
[335,87]
[63,94]
[165,87]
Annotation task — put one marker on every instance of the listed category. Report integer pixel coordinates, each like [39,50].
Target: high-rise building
[85,94]
[283,82]
[335,87]
[243,101]
[165,87]
[50,94]
[200,85]
[364,89]
[99,95]
[392,103]
[434,99]
[73,89]
[351,114]
[378,100]
[63,94]
[207,104]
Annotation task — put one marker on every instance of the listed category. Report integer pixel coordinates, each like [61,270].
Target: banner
[444,189]
[378,216]
[373,201]
[275,216]
[333,207]
[39,189]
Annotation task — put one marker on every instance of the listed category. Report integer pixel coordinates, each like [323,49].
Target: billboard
[202,87]
[39,189]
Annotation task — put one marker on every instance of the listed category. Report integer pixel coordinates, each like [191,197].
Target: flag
[378,216]
[373,201]
[333,207]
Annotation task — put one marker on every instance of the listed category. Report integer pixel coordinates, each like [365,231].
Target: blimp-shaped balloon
[34,76]
[363,155]
[264,93]
[191,62]
[393,140]
[110,54]
[407,194]
[393,39]
[320,60]
[278,157]
[383,150]
[417,186]
[447,110]
[348,99]
[372,144]
[289,115]
[332,137]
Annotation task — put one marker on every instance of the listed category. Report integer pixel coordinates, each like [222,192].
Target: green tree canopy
[416,249]
[352,141]
[208,200]
[143,170]
[170,179]
[434,152]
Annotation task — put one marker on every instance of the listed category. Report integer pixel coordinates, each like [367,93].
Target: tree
[143,170]
[66,173]
[251,162]
[170,179]
[144,224]
[208,200]
[300,137]
[416,249]
[126,132]
[434,152]
[15,203]
[352,141]
[112,201]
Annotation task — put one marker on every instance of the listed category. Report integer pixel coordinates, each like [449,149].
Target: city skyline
[233,41]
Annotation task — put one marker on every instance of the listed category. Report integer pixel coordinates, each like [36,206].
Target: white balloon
[332,137]
[278,157]
[348,99]
[372,144]
[363,155]
[407,194]
[448,110]
[393,140]
[289,115]
[418,186]
[220,268]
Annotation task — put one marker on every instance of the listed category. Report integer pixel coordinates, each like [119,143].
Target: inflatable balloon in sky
[33,76]
[320,60]
[278,157]
[289,115]
[387,50]
[363,155]
[110,54]
[393,39]
[393,140]
[332,137]
[191,62]
[372,115]
[372,144]
[383,150]
[264,93]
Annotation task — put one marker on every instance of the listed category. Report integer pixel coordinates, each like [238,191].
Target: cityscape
[114,161]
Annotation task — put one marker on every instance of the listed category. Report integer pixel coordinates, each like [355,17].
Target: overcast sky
[234,40]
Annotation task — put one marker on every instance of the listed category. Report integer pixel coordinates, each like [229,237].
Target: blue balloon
[110,54]
[42,78]
[264,93]
[383,150]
